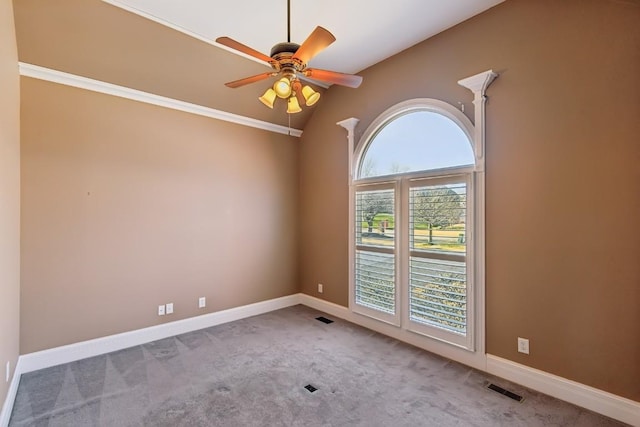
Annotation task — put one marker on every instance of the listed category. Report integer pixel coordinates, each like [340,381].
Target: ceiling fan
[290,60]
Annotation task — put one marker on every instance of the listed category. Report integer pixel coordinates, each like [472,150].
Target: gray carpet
[253,372]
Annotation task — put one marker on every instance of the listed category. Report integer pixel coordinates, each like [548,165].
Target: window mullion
[402,260]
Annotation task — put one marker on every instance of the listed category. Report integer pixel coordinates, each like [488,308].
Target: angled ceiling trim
[60,77]
[186,31]
[200,37]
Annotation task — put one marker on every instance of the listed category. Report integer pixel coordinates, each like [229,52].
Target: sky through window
[416,141]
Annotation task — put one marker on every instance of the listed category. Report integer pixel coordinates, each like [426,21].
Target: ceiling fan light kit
[289,60]
[268,98]
[282,88]
[293,106]
[310,96]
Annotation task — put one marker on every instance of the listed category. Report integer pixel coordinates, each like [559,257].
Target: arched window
[417,140]
[413,204]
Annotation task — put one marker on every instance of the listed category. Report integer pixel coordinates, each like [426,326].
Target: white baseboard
[591,398]
[457,354]
[596,400]
[7,407]
[82,350]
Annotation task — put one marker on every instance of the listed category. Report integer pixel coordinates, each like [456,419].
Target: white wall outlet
[320,288]
[170,308]
[8,373]
[161,310]
[202,302]
[523,345]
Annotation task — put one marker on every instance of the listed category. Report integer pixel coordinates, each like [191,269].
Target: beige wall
[126,206]
[9,196]
[563,178]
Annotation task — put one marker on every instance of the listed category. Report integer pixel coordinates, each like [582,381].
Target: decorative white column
[478,84]
[350,125]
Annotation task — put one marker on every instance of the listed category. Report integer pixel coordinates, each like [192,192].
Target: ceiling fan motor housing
[282,55]
[285,47]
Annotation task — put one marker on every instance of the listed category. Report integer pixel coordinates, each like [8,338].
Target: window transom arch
[421,134]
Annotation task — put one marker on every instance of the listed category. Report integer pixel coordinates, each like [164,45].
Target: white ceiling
[367,31]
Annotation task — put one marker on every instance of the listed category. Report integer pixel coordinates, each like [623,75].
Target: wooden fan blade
[229,42]
[349,80]
[247,80]
[317,41]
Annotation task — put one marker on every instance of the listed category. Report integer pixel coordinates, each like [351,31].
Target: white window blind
[375,262]
[437,262]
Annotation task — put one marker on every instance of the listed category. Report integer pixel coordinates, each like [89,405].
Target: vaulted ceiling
[167,47]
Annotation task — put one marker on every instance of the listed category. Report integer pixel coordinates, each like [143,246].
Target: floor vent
[324,320]
[507,393]
[310,388]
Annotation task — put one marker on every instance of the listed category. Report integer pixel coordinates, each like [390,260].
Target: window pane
[375,221]
[417,141]
[438,293]
[375,278]
[438,218]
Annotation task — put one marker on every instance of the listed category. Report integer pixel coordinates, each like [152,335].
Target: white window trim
[477,84]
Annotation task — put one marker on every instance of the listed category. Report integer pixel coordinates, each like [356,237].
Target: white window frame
[472,354]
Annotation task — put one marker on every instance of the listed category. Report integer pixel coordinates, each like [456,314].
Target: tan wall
[563,178]
[126,206]
[9,196]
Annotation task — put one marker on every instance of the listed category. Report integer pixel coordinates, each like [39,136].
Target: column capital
[350,125]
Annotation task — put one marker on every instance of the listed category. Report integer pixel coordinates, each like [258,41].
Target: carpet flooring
[253,372]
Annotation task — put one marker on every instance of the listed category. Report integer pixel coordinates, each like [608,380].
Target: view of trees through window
[438,217]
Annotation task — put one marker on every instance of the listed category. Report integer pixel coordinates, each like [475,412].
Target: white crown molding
[200,37]
[54,76]
[596,400]
[183,30]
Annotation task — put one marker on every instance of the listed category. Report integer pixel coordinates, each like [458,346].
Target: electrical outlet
[170,308]
[202,302]
[161,310]
[8,373]
[320,288]
[523,345]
